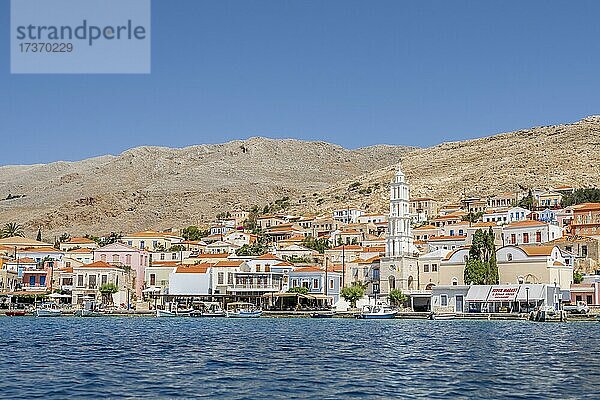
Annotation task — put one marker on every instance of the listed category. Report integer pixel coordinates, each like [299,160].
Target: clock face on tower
[392,267]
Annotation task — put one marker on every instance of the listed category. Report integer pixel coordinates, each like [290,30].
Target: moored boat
[209,309]
[243,310]
[16,313]
[325,314]
[47,310]
[442,316]
[378,311]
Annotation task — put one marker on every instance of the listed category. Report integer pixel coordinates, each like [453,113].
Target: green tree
[258,248]
[317,244]
[110,239]
[588,195]
[528,201]
[481,267]
[353,293]
[176,247]
[193,233]
[397,297]
[298,289]
[12,229]
[107,290]
[577,277]
[472,217]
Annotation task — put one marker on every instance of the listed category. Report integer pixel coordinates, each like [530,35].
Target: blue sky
[354,73]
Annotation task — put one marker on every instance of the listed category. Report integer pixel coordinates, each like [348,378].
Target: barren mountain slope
[539,157]
[155,187]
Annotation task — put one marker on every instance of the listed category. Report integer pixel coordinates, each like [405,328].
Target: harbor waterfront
[296,358]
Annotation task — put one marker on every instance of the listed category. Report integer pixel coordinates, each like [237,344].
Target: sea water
[135,357]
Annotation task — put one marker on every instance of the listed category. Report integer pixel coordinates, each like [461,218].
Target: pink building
[586,292]
[120,254]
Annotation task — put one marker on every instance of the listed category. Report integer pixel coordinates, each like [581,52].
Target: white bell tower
[399,241]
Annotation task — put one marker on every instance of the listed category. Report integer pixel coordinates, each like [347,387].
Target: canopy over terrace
[297,301]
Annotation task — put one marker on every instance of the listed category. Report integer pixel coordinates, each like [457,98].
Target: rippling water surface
[296,358]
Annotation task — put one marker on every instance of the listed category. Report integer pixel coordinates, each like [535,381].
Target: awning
[319,297]
[536,292]
[478,293]
[503,293]
[59,296]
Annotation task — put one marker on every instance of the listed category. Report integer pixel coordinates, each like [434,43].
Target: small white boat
[378,311]
[165,313]
[442,316]
[243,310]
[209,309]
[47,310]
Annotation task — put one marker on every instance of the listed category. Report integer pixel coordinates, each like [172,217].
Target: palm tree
[12,229]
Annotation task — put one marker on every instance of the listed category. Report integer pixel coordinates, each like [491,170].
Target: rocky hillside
[158,188]
[537,157]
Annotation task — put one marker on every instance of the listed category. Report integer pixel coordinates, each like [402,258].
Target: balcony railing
[254,287]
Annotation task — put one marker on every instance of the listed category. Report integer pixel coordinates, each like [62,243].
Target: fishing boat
[88,313]
[441,317]
[90,309]
[378,311]
[175,312]
[47,310]
[325,314]
[243,310]
[16,313]
[209,309]
[165,313]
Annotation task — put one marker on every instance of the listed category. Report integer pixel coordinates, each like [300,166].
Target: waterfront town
[508,253]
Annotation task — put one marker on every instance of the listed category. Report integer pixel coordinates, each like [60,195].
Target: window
[538,237]
[174,256]
[426,268]
[92,281]
[434,267]
[129,243]
[152,279]
[162,256]
[142,244]
[526,237]
[104,280]
[392,282]
[102,258]
[569,249]
[32,280]
[128,259]
[315,283]
[454,281]
[68,264]
[229,278]
[513,238]
[332,284]
[115,258]
[578,298]
[444,300]
[509,257]
[589,299]
[220,278]
[79,280]
[155,243]
[584,251]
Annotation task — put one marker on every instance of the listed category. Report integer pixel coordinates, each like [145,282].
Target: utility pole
[343,265]
[326,280]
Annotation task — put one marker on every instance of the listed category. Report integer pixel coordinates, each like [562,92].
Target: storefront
[508,298]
